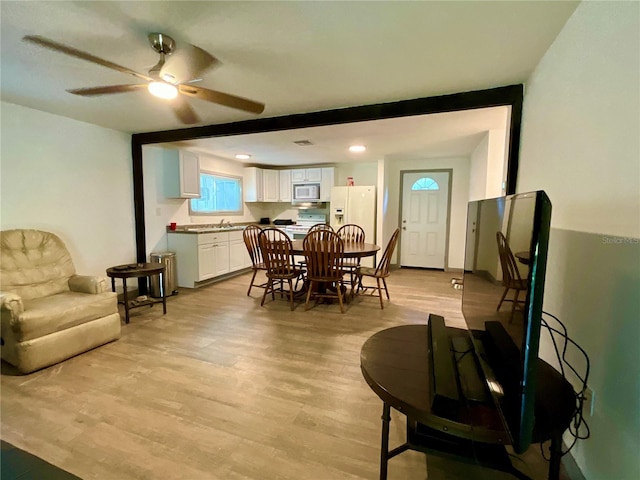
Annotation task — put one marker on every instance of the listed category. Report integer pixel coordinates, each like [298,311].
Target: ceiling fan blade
[95,91]
[186,64]
[59,47]
[184,111]
[222,98]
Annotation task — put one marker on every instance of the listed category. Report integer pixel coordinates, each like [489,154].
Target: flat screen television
[506,254]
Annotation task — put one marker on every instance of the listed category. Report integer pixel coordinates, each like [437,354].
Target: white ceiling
[295,56]
[424,136]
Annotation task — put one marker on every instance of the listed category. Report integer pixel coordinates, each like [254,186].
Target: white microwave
[305,192]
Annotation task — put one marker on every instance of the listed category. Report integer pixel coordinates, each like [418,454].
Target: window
[425,183]
[219,195]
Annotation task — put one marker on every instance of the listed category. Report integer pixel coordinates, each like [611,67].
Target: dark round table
[351,250]
[137,270]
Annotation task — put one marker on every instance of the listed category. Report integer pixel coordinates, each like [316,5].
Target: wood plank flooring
[221,388]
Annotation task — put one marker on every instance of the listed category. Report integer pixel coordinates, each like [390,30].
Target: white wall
[72,179]
[365,173]
[459,200]
[478,170]
[581,144]
[489,165]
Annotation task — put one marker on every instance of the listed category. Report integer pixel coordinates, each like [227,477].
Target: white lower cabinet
[206,261]
[204,256]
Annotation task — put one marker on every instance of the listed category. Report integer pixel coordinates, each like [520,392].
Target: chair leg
[290,292]
[513,307]
[339,289]
[386,290]
[306,304]
[266,290]
[502,298]
[255,271]
[380,293]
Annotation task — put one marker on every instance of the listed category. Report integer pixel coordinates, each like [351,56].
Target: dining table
[351,250]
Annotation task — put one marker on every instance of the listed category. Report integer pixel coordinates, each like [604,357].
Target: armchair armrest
[88,284]
[12,303]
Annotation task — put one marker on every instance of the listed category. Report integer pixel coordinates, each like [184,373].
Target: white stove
[303,224]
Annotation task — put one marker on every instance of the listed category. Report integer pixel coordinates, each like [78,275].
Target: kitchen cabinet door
[314,174]
[306,175]
[206,261]
[238,255]
[181,174]
[298,175]
[253,184]
[285,185]
[221,258]
[271,182]
[327,184]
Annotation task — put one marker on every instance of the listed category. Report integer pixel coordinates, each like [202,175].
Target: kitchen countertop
[214,229]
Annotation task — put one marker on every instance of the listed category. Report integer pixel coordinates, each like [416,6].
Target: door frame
[401,201]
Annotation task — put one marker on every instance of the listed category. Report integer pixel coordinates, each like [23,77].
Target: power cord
[578,428]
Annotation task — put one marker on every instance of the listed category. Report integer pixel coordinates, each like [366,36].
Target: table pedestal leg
[384,448]
[126,301]
[556,456]
[164,294]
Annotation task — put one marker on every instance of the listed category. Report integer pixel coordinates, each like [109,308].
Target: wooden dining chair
[511,279]
[316,227]
[250,236]
[324,254]
[351,233]
[320,226]
[277,253]
[381,272]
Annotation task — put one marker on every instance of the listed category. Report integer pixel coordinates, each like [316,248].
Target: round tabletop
[133,270]
[351,250]
[395,364]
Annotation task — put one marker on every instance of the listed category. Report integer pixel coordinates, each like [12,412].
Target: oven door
[305,192]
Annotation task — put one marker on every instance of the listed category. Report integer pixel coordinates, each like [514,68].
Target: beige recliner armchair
[48,313]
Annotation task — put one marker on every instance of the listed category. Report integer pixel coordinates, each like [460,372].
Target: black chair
[511,279]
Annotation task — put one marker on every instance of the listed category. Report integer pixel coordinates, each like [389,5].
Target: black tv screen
[506,255]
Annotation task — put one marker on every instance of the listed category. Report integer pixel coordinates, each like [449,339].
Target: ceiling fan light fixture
[167,77]
[163,90]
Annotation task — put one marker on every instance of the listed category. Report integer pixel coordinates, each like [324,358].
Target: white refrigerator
[355,205]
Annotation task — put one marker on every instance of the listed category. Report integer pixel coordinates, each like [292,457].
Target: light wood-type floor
[221,388]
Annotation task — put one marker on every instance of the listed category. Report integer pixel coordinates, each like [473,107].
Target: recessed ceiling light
[163,90]
[243,156]
[357,148]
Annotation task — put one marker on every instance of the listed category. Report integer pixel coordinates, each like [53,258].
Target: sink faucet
[221,224]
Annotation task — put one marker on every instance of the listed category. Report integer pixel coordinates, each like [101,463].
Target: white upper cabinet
[271,185]
[253,184]
[306,175]
[327,184]
[266,185]
[285,185]
[181,174]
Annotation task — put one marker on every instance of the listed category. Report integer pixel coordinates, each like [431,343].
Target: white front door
[425,205]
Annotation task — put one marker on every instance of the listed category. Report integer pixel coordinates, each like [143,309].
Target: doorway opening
[425,211]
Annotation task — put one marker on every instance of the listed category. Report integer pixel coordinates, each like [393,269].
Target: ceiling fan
[169,78]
